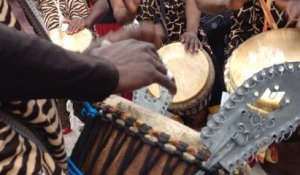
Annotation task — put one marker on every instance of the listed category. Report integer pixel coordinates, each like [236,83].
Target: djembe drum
[194,75]
[138,141]
[260,51]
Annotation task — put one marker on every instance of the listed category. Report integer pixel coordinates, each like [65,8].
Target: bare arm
[121,13]
[98,10]
[190,37]
[213,7]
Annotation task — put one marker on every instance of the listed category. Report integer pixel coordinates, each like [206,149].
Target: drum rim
[230,84]
[202,94]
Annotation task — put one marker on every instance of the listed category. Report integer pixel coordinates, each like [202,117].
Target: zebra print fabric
[70,9]
[17,154]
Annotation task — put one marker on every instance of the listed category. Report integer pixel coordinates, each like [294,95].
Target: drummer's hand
[145,31]
[138,64]
[75,25]
[131,5]
[191,42]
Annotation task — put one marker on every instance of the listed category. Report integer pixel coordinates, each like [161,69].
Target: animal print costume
[249,21]
[17,154]
[70,9]
[174,17]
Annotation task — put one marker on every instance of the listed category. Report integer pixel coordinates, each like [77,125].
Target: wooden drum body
[137,141]
[194,75]
[260,51]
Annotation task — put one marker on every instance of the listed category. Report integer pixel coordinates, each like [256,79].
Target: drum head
[77,42]
[191,71]
[260,51]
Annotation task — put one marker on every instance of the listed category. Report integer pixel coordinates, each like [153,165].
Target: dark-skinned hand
[75,25]
[191,42]
[138,64]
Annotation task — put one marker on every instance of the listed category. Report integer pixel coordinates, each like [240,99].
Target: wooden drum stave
[194,75]
[138,142]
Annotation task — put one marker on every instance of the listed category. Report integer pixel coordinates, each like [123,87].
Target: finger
[163,80]
[197,45]
[182,39]
[78,28]
[156,57]
[200,45]
[187,43]
[151,49]
[160,67]
[192,45]
[71,27]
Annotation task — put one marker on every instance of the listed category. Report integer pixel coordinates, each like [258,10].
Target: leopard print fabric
[174,17]
[17,154]
[249,21]
[70,9]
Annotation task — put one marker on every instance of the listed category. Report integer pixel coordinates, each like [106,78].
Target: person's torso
[38,115]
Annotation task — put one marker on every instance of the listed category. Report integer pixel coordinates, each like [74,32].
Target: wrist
[192,32]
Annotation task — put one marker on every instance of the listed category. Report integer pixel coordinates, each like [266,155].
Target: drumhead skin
[77,42]
[193,73]
[260,51]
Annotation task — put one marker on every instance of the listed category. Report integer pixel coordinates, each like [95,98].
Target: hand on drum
[191,42]
[138,64]
[75,25]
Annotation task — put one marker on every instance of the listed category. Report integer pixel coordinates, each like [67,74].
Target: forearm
[122,13]
[192,16]
[98,10]
[32,68]
[123,16]
[213,7]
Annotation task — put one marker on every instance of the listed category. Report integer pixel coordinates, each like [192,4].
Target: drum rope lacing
[139,133]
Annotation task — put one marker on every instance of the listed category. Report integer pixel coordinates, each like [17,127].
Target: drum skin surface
[77,42]
[260,51]
[193,73]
